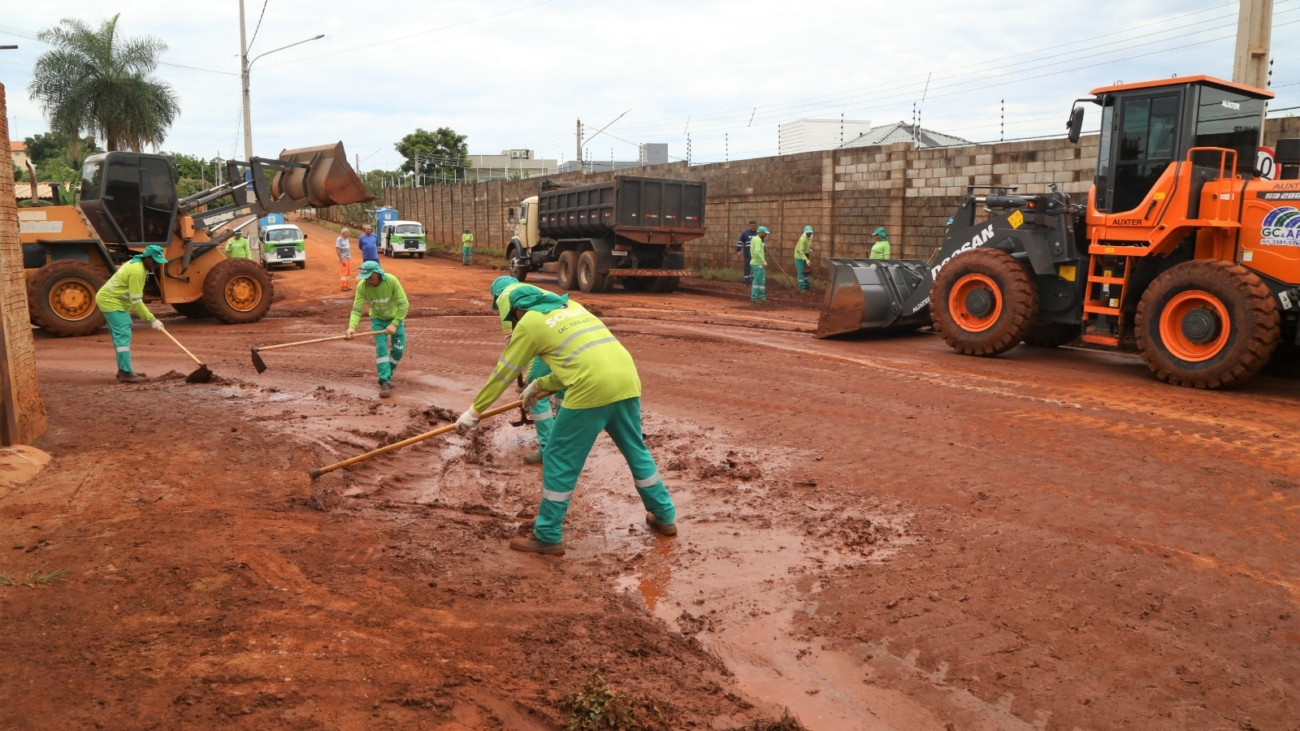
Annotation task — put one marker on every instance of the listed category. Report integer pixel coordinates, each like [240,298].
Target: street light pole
[245,65]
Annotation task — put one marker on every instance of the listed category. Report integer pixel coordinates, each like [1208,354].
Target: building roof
[23,191]
[888,134]
[18,146]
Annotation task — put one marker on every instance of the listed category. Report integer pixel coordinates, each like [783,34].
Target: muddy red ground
[877,534]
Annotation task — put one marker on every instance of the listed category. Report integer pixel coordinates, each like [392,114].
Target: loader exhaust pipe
[328,181]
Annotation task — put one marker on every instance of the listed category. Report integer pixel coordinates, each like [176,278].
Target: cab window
[1148,131]
[1227,119]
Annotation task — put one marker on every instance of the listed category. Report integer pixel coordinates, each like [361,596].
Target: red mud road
[877,534]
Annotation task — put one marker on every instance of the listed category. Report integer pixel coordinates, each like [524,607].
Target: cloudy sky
[518,73]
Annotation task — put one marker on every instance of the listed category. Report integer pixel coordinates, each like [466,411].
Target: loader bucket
[875,295]
[330,181]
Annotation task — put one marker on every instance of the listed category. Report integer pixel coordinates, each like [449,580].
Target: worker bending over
[758,265]
[467,248]
[123,294]
[603,393]
[542,412]
[388,308]
[801,263]
[881,249]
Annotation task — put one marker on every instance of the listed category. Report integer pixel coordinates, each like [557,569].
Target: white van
[283,243]
[402,237]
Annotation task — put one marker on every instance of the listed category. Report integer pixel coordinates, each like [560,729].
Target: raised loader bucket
[330,181]
[875,294]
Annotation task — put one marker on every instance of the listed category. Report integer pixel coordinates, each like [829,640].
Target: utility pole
[1254,30]
[580,144]
[243,75]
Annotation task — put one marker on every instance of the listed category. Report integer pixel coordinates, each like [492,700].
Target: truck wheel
[664,285]
[1051,335]
[518,265]
[301,264]
[237,292]
[1207,324]
[420,255]
[567,270]
[589,280]
[61,298]
[983,302]
[194,310]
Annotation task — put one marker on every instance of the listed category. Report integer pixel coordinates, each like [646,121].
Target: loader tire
[61,298]
[237,292]
[1207,324]
[195,310]
[983,302]
[1051,335]
[566,271]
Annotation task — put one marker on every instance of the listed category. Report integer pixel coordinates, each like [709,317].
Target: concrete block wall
[843,194]
[18,370]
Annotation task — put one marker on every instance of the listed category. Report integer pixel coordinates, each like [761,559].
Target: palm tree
[95,82]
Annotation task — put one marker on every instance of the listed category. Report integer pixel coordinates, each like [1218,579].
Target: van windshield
[409,229]
[281,235]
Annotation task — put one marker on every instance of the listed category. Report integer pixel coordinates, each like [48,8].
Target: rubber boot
[385,389]
[660,528]
[533,457]
[529,544]
[131,377]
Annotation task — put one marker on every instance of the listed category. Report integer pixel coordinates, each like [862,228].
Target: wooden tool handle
[417,438]
[182,347]
[265,348]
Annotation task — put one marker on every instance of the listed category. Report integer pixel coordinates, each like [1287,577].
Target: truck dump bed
[652,210]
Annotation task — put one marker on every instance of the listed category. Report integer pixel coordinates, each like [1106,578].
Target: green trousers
[801,267]
[119,327]
[758,290]
[543,415]
[386,357]
[571,441]
[466,255]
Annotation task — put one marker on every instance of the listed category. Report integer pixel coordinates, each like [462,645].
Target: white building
[810,135]
[510,165]
[888,134]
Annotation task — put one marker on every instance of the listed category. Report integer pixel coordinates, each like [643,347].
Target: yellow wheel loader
[128,201]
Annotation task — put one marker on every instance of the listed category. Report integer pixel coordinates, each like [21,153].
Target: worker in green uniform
[237,247]
[467,248]
[603,393]
[123,294]
[388,308]
[801,263]
[881,249]
[758,265]
[542,413]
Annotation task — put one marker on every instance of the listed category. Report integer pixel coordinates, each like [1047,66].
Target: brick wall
[20,369]
[843,194]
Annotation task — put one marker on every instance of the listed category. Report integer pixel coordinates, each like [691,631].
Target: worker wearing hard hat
[388,308]
[603,394]
[237,247]
[542,413]
[758,265]
[467,248]
[880,249]
[123,294]
[801,262]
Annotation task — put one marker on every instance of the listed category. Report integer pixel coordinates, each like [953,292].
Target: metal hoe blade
[202,375]
[258,363]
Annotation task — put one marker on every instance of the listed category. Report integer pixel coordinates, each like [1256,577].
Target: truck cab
[283,244]
[403,238]
[526,233]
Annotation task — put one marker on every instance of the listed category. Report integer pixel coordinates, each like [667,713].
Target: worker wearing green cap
[388,308]
[603,394]
[237,247]
[467,248]
[801,263]
[123,294]
[542,412]
[881,249]
[758,265]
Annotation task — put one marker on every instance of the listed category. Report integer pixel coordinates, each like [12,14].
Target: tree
[94,82]
[439,152]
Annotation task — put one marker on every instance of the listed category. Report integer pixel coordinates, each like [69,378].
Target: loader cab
[1148,127]
[130,198]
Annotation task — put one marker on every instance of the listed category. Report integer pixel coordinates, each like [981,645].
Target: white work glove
[157,325]
[391,329]
[532,392]
[351,333]
[467,421]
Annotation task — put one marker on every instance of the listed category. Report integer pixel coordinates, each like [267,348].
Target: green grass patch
[720,274]
[598,707]
[35,580]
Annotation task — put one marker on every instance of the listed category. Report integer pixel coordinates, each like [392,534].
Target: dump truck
[128,201]
[1181,253]
[631,230]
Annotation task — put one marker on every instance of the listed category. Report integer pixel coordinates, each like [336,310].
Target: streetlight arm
[281,48]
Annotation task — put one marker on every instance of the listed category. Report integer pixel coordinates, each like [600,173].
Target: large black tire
[237,292]
[518,266]
[983,302]
[589,280]
[1051,334]
[566,271]
[1207,324]
[420,255]
[194,310]
[61,298]
[664,285]
[300,264]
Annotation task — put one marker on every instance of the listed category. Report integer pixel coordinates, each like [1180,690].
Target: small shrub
[599,707]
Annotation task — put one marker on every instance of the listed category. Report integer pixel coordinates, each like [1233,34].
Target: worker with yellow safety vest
[542,412]
[602,393]
[123,294]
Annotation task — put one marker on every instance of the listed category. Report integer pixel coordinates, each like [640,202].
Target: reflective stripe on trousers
[119,327]
[387,358]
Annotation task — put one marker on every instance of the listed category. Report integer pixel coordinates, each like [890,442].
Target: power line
[258,27]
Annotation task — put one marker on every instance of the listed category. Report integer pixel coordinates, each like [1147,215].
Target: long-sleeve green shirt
[757,252]
[586,360]
[387,301]
[466,240]
[237,248]
[124,291]
[880,250]
[803,247]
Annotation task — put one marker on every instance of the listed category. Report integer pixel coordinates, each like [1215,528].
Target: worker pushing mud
[388,308]
[603,393]
[542,412]
[123,294]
